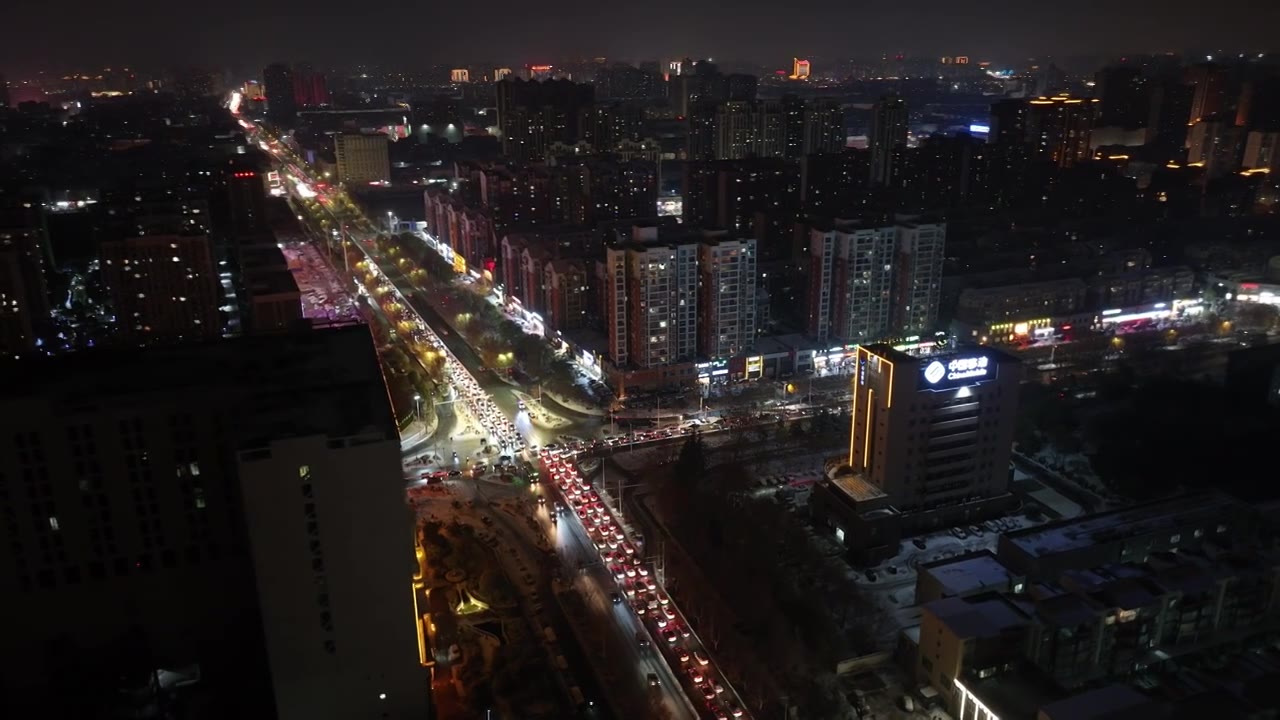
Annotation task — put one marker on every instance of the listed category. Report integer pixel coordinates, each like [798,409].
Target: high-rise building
[793,108]
[1211,83]
[835,184]
[362,158]
[1125,96]
[532,115]
[770,129]
[936,430]
[310,87]
[758,197]
[823,127]
[1170,107]
[888,134]
[1260,104]
[944,171]
[1217,145]
[227,505]
[24,293]
[619,190]
[917,285]
[870,281]
[565,294]
[785,128]
[252,90]
[727,306]
[851,281]
[282,105]
[735,131]
[1262,151]
[334,569]
[626,82]
[605,126]
[929,446]
[240,201]
[163,288]
[1056,128]
[651,291]
[799,69]
[739,86]
[459,75]
[267,291]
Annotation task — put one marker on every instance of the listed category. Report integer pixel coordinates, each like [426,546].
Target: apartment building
[727,302]
[917,288]
[162,287]
[565,295]
[653,299]
[1129,595]
[362,159]
[869,281]
[851,281]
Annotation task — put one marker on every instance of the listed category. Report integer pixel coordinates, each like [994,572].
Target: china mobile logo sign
[934,372]
[963,368]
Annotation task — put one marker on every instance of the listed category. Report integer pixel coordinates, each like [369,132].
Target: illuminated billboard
[942,373]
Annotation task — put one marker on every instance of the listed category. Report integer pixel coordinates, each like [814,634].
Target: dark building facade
[532,115]
[282,104]
[887,137]
[171,490]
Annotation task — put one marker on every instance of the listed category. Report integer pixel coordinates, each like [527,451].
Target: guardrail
[659,643]
[654,643]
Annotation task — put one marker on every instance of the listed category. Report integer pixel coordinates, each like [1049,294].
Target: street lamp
[417,404]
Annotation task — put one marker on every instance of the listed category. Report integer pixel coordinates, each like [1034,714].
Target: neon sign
[961,368]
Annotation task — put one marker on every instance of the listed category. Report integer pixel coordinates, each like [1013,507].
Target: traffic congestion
[492,421]
[638,587]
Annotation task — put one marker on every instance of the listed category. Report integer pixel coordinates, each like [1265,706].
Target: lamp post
[417,405]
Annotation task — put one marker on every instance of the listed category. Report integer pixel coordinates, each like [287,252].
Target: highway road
[498,401]
[626,661]
[623,579]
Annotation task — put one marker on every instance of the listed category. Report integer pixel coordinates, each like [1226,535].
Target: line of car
[637,586]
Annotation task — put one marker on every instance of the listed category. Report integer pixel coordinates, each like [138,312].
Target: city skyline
[568,374]
[826,29]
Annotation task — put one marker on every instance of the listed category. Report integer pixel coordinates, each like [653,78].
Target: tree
[690,468]
[1258,316]
[510,331]
[532,353]
[799,429]
[1175,434]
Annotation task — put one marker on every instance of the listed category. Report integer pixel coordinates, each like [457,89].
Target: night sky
[69,33]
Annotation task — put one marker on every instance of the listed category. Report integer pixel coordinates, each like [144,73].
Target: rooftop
[1074,534]
[967,574]
[271,386]
[771,345]
[1112,701]
[271,281]
[856,488]
[1065,609]
[978,616]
